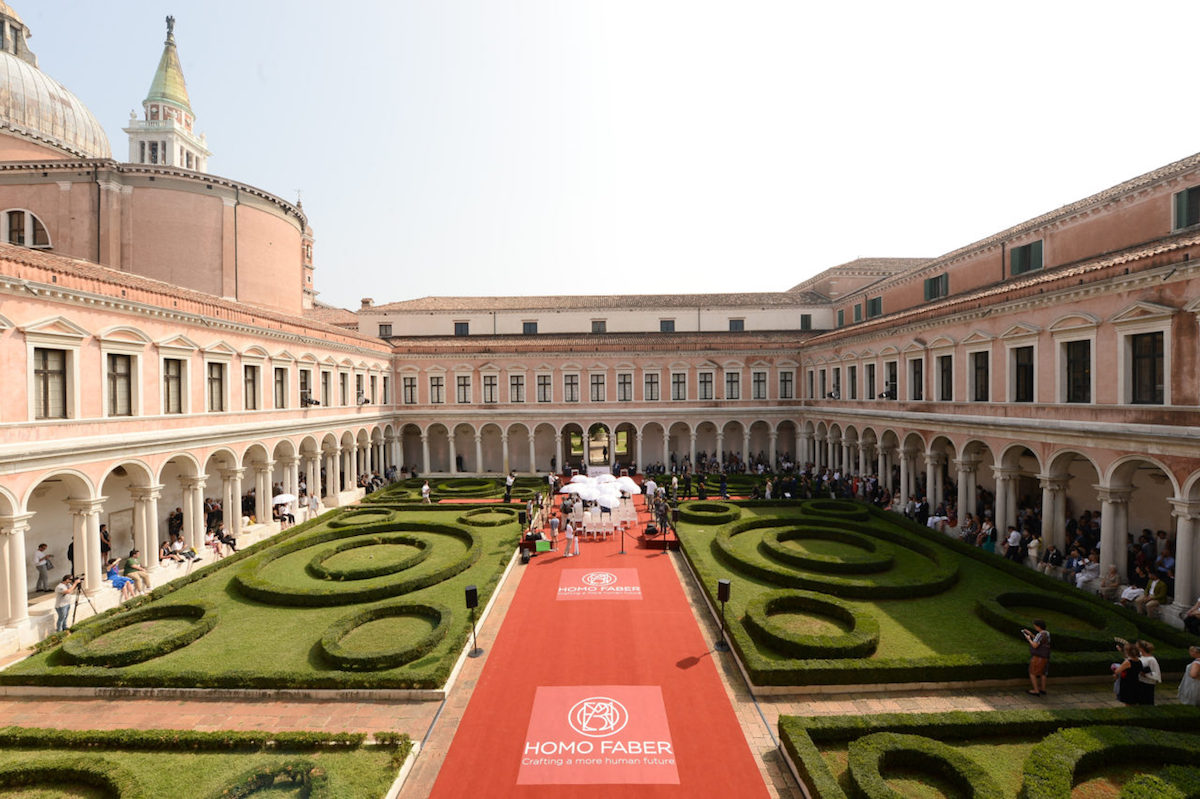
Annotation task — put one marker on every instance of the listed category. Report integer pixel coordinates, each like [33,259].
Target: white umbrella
[605,478]
[581,478]
[588,493]
[609,501]
[572,488]
[283,499]
[628,485]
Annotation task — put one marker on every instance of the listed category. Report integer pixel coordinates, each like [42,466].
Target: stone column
[233,516]
[905,490]
[12,536]
[746,446]
[479,454]
[532,453]
[504,465]
[1186,513]
[862,459]
[881,469]
[847,457]
[453,454]
[193,511]
[1112,529]
[559,457]
[637,446]
[721,447]
[145,522]
[87,541]
[966,479]
[424,453]
[262,491]
[1000,514]
[773,447]
[1053,498]
[691,446]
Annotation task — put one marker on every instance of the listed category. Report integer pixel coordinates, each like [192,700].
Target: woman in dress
[1151,672]
[1189,686]
[123,584]
[1129,689]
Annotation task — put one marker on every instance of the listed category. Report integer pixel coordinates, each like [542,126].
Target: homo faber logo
[599,578]
[599,584]
[598,716]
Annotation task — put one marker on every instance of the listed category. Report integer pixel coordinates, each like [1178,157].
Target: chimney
[367,302]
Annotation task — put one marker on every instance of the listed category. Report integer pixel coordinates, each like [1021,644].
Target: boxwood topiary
[870,560]
[303,773]
[712,513]
[995,611]
[78,650]
[316,567]
[871,755]
[375,660]
[1055,764]
[1173,782]
[489,516]
[107,776]
[842,509]
[860,641]
[360,516]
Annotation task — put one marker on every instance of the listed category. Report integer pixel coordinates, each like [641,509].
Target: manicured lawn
[921,588]
[457,488]
[273,604]
[1038,754]
[136,765]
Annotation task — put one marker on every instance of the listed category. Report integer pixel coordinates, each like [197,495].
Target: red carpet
[600,684]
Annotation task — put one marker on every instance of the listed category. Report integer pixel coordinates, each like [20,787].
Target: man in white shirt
[41,561]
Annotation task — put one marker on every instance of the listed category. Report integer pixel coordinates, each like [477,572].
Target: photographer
[1039,657]
[62,599]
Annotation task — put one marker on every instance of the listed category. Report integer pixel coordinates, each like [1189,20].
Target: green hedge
[707,512]
[1173,782]
[77,650]
[250,584]
[304,774]
[104,775]
[505,515]
[1055,764]
[178,740]
[841,509]
[871,755]
[860,641]
[374,660]
[356,517]
[994,611]
[316,567]
[868,562]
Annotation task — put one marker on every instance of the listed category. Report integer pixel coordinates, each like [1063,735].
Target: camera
[1025,632]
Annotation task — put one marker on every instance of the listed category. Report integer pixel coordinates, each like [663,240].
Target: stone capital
[1181,509]
[86,507]
[1050,482]
[190,481]
[15,524]
[1114,495]
[966,465]
[236,473]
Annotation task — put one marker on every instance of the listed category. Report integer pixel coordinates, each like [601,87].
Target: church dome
[35,106]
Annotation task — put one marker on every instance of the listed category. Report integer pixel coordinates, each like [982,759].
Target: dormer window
[25,230]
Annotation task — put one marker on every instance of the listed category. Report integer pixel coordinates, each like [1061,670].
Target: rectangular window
[858,312]
[916,379]
[491,389]
[570,388]
[650,388]
[786,385]
[544,391]
[1026,259]
[305,385]
[437,390]
[758,385]
[409,386]
[889,369]
[374,395]
[937,287]
[120,385]
[836,388]
[705,385]
[811,390]
[981,377]
[344,388]
[462,328]
[50,383]
[359,394]
[874,307]
[1187,208]
[599,326]
[387,390]
[325,379]
[870,376]
[385,330]
[281,381]
[625,387]
[737,325]
[852,381]
[462,389]
[597,386]
[824,392]
[1022,361]
[516,388]
[841,317]
[679,385]
[250,387]
[172,385]
[216,386]
[1146,359]
[806,321]
[666,326]
[945,365]
[529,328]
[1078,355]
[733,385]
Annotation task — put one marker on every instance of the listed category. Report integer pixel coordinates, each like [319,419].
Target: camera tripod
[78,595]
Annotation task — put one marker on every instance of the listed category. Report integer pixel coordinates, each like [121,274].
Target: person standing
[1151,674]
[425,492]
[43,564]
[1189,686]
[1039,657]
[572,541]
[508,486]
[62,599]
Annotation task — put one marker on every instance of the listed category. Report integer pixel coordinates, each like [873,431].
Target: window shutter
[1035,255]
[1181,210]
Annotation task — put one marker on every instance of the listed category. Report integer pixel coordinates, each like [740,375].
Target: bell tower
[165,135]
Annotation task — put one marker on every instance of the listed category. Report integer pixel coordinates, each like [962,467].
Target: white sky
[558,146]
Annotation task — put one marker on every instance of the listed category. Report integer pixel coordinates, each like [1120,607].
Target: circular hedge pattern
[1173,782]
[374,660]
[489,516]
[871,559]
[860,641]
[995,611]
[466,487]
[842,509]
[110,778]
[940,573]
[303,773]
[1053,766]
[250,582]
[871,755]
[77,646]
[317,568]
[361,516]
[708,512]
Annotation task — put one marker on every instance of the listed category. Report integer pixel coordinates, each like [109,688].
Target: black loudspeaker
[473,596]
[522,517]
[722,590]
[675,516]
